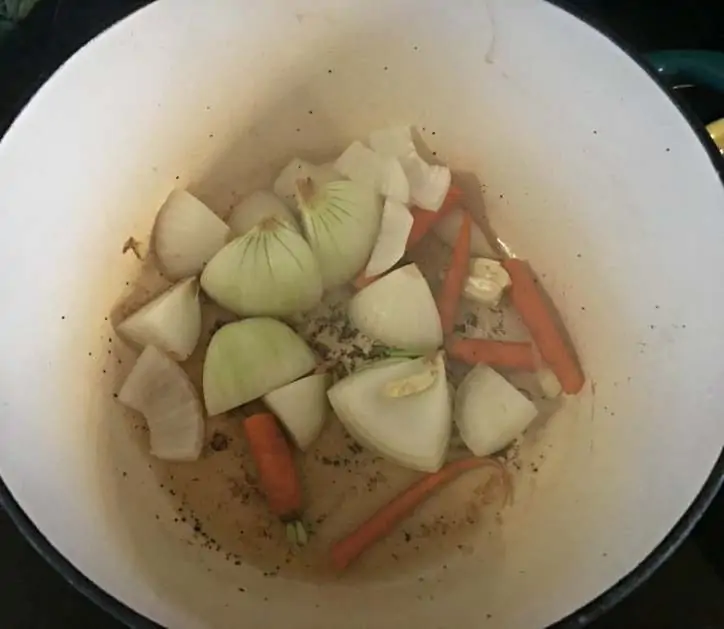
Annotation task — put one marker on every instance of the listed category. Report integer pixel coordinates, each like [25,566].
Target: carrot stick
[530,303]
[454,282]
[275,465]
[423,220]
[509,354]
[346,550]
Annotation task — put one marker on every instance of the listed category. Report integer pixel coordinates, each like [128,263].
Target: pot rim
[577,619]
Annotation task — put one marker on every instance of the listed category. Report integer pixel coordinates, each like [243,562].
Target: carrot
[362,280]
[423,220]
[514,355]
[541,322]
[346,550]
[275,465]
[454,282]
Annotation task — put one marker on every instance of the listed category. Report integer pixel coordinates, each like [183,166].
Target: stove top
[688,591]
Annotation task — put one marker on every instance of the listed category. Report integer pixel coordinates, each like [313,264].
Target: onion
[186,235]
[248,359]
[171,322]
[429,184]
[392,240]
[257,207]
[302,407]
[399,311]
[411,430]
[285,186]
[340,221]
[447,230]
[382,172]
[160,390]
[490,412]
[269,271]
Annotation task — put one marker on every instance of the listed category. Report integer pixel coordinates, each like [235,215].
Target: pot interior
[586,168]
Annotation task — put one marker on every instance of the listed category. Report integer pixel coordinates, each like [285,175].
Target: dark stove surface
[687,592]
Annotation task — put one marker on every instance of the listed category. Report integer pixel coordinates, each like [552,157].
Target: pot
[590,171]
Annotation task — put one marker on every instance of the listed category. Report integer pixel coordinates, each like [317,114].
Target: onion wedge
[161,391]
[490,412]
[171,322]
[399,311]
[302,407]
[411,430]
[187,234]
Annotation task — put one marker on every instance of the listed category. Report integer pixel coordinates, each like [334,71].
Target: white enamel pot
[590,171]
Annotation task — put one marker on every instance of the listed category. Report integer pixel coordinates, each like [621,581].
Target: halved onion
[399,311]
[187,234]
[269,271]
[447,228]
[381,172]
[171,321]
[490,412]
[302,407]
[248,359]
[257,207]
[392,240]
[162,392]
[340,221]
[411,430]
[285,186]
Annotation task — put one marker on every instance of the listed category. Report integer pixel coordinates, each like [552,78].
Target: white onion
[399,311]
[381,172]
[412,430]
[392,240]
[187,234]
[302,407]
[429,184]
[271,271]
[340,221]
[447,228]
[162,392]
[248,359]
[257,207]
[285,186]
[171,321]
[490,412]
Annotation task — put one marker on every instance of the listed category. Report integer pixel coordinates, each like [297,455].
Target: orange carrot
[275,465]
[346,550]
[454,282]
[541,322]
[509,354]
[425,219]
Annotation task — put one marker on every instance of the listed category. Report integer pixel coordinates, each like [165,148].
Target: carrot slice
[275,465]
[388,517]
[423,220]
[511,354]
[541,322]
[454,282]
